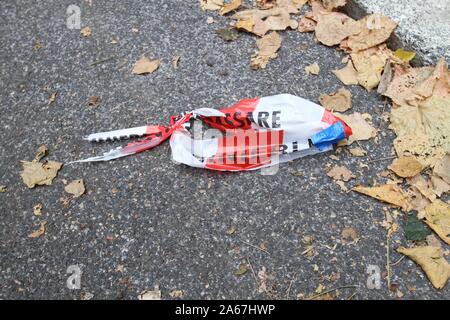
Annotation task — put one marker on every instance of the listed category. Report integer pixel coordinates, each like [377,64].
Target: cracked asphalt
[147,221]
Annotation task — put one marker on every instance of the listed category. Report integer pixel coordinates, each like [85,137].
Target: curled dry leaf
[388,193]
[437,217]
[375,29]
[369,65]
[361,129]
[231,6]
[339,101]
[267,49]
[340,173]
[37,209]
[406,167]
[347,75]
[175,62]
[176,294]
[145,66]
[349,235]
[243,268]
[86,32]
[40,231]
[150,295]
[76,188]
[432,261]
[94,101]
[313,69]
[2,188]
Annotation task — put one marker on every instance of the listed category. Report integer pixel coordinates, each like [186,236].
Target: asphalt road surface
[147,221]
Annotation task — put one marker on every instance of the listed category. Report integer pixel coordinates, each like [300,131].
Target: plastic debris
[252,134]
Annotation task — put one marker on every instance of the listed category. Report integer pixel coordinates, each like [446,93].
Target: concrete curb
[423,28]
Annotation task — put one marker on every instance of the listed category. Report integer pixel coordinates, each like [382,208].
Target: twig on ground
[331,290]
[397,262]
[388,263]
[102,61]
[288,291]
[252,245]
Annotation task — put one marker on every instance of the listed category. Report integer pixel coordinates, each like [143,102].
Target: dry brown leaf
[439,186]
[145,66]
[267,49]
[306,24]
[176,294]
[75,188]
[339,101]
[376,29]
[340,173]
[333,4]
[423,185]
[313,69]
[341,185]
[150,295]
[437,217]
[40,231]
[260,22]
[175,62]
[86,32]
[369,65]
[37,173]
[417,200]
[442,168]
[94,101]
[37,209]
[231,6]
[361,129]
[388,193]
[333,27]
[211,5]
[432,241]
[432,261]
[349,235]
[358,152]
[347,75]
[406,167]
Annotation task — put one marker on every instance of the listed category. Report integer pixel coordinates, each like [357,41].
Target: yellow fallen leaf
[340,173]
[347,75]
[246,25]
[376,29]
[361,129]
[2,188]
[76,188]
[418,145]
[313,69]
[37,173]
[339,101]
[388,193]
[52,98]
[267,49]
[40,231]
[145,65]
[406,167]
[432,261]
[437,217]
[231,6]
[86,32]
[405,56]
